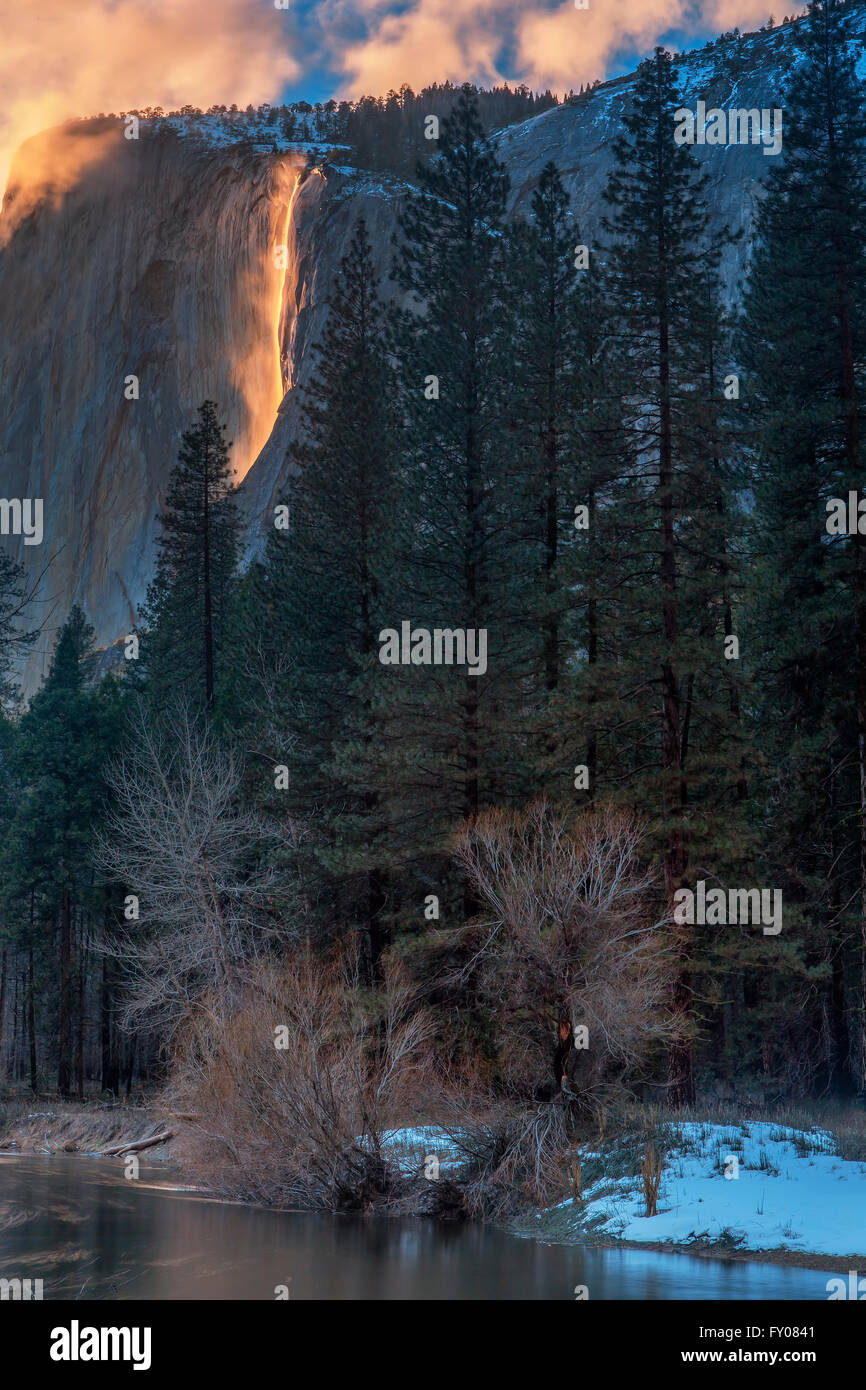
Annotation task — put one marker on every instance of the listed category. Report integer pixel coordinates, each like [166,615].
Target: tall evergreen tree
[323,593]
[547,346]
[15,598]
[568,382]
[802,344]
[548,327]
[185,620]
[673,507]
[16,636]
[62,746]
[456,741]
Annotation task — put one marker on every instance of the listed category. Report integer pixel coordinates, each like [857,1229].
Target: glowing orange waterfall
[263,367]
[287,240]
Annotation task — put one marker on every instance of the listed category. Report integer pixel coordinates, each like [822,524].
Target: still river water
[88,1233]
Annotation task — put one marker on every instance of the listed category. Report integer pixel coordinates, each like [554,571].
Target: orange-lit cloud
[432,40]
[565,47]
[548,43]
[722,15]
[66,58]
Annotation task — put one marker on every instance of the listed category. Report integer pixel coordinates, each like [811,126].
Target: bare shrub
[519,1157]
[651,1168]
[303,1125]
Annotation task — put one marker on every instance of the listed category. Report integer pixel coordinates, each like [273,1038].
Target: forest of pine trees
[386,133]
[626,489]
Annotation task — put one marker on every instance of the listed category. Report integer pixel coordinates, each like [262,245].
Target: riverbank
[89,1128]
[754,1191]
[741,1190]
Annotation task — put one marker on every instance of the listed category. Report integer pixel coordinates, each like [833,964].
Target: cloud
[432,40]
[60,59]
[722,15]
[565,47]
[376,44]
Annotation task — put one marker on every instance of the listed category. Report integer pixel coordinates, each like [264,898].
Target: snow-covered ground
[411,1148]
[786,1189]
[221,129]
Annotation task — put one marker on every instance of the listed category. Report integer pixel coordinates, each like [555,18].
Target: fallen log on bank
[137,1145]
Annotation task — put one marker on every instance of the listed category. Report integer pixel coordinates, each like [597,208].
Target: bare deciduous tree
[181,841]
[570,929]
[568,934]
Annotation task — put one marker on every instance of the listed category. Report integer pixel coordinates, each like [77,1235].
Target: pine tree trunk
[839,1079]
[470,703]
[106,1077]
[680,1078]
[130,1070]
[4,970]
[734,697]
[80,1040]
[860,695]
[551,539]
[592,654]
[208,594]
[742,785]
[376,893]
[15,1071]
[109,1060]
[64,1055]
[31,1019]
[848,384]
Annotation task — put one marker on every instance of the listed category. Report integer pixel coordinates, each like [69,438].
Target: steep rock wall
[160,264]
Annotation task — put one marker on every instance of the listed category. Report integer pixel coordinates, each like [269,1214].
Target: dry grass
[846,1121]
[575,1169]
[38,1126]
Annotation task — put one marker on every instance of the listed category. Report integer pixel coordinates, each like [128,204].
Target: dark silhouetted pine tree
[802,344]
[673,736]
[458,738]
[185,621]
[323,592]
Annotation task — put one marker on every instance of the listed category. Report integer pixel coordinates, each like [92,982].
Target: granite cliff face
[203,267]
[158,264]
